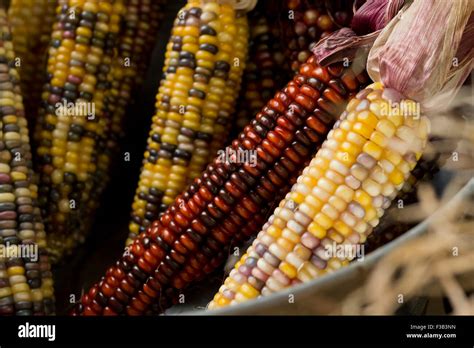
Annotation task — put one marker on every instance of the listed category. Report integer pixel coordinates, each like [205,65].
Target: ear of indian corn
[31,22]
[338,199]
[142,21]
[195,102]
[26,284]
[135,44]
[136,41]
[305,22]
[72,122]
[266,70]
[229,201]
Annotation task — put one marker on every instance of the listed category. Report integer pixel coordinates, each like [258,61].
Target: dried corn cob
[203,68]
[227,110]
[192,237]
[266,70]
[338,199]
[135,43]
[26,285]
[304,23]
[71,124]
[149,14]
[31,22]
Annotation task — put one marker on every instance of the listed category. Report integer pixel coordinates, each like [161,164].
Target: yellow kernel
[285,244]
[379,139]
[376,86]
[393,156]
[396,177]
[248,291]
[335,236]
[15,270]
[337,203]
[339,134]
[313,202]
[350,148]
[323,220]
[346,125]
[278,222]
[367,118]
[316,230]
[222,301]
[373,150]
[362,198]
[307,209]
[309,181]
[274,231]
[355,139]
[302,252]
[396,119]
[345,192]
[308,271]
[370,213]
[290,235]
[231,284]
[345,158]
[321,163]
[297,197]
[363,130]
[342,228]
[352,104]
[288,270]
[314,172]
[327,185]
[330,211]
[352,116]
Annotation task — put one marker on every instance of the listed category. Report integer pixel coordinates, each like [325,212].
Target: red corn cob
[306,21]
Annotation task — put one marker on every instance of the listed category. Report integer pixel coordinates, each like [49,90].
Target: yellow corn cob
[83,43]
[204,62]
[26,285]
[337,201]
[31,22]
[223,123]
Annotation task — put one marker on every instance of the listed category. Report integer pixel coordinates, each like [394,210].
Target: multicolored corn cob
[230,200]
[26,284]
[31,22]
[266,70]
[142,21]
[304,23]
[72,122]
[204,62]
[135,44]
[338,199]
